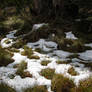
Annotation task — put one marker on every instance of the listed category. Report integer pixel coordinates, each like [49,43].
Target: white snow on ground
[4,44]
[11,34]
[44,45]
[37,26]
[87,55]
[34,66]
[90,45]
[70,35]
[61,54]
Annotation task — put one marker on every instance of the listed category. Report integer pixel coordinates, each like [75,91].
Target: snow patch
[70,35]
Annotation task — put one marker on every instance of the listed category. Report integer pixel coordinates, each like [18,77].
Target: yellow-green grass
[47,73]
[45,62]
[5,88]
[5,57]
[72,71]
[27,52]
[37,89]
[60,83]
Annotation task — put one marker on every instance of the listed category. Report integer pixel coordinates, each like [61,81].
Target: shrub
[47,73]
[61,84]
[45,62]
[37,89]
[5,88]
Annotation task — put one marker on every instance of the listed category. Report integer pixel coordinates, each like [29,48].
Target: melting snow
[4,44]
[87,55]
[70,35]
[11,34]
[37,26]
[34,66]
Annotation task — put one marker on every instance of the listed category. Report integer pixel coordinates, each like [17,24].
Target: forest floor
[40,66]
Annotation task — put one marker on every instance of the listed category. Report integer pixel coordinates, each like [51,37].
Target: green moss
[61,84]
[5,88]
[5,57]
[72,71]
[45,62]
[21,67]
[47,73]
[37,89]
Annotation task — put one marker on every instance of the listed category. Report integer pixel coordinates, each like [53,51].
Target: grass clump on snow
[5,57]
[21,67]
[21,70]
[85,85]
[47,73]
[5,88]
[27,51]
[38,50]
[62,62]
[34,57]
[37,89]
[45,62]
[72,71]
[61,84]
[19,43]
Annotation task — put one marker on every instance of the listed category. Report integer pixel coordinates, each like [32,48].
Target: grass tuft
[27,52]
[5,88]
[45,62]
[61,84]
[72,71]
[85,85]
[48,73]
[5,57]
[37,89]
